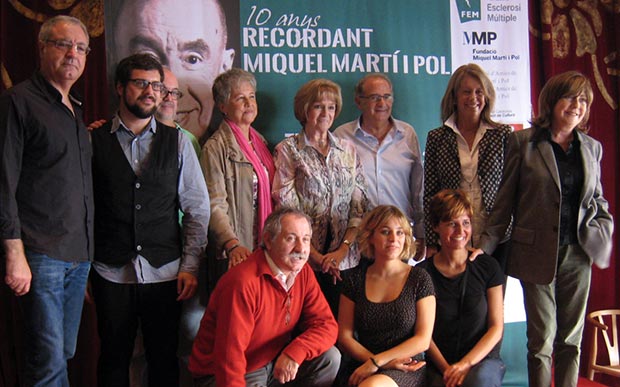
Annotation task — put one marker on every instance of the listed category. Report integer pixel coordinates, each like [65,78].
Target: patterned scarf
[260,160]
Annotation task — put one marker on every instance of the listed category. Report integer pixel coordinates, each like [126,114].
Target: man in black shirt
[46,201]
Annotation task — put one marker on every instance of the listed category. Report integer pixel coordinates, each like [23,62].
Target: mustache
[299,256]
[147,97]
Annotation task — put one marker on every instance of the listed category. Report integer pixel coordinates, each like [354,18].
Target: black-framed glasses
[67,45]
[143,84]
[377,97]
[175,93]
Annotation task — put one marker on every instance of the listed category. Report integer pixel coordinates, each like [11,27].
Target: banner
[417,43]
[287,43]
[493,34]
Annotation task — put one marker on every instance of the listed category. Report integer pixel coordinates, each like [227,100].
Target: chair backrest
[607,322]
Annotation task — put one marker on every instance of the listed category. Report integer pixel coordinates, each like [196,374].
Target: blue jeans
[488,373]
[51,310]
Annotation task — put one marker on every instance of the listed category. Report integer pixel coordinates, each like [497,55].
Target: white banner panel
[494,34]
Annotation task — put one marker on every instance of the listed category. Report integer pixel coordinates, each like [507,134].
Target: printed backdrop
[417,43]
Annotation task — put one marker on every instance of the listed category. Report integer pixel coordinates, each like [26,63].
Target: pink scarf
[260,160]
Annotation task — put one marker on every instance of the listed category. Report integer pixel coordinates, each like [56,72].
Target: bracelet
[228,251]
[372,359]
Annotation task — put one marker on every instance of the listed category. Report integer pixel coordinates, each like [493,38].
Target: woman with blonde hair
[467,151]
[387,307]
[322,176]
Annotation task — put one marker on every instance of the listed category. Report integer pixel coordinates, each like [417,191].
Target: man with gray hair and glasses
[46,201]
[390,152]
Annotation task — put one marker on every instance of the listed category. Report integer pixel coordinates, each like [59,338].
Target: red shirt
[250,319]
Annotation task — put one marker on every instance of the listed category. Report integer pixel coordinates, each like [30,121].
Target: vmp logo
[469,10]
[479,38]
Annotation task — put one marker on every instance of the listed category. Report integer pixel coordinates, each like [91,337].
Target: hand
[333,259]
[285,369]
[420,250]
[18,276]
[331,264]
[94,125]
[454,375]
[362,372]
[187,284]
[406,364]
[238,255]
[474,253]
[335,273]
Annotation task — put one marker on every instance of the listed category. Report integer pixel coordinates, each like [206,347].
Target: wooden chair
[602,320]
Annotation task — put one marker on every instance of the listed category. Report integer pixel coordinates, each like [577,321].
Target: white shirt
[284,280]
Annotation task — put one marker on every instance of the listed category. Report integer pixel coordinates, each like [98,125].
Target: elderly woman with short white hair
[239,169]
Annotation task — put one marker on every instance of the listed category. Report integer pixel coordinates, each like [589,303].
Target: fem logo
[469,10]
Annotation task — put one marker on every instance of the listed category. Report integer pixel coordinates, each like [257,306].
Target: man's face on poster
[187,36]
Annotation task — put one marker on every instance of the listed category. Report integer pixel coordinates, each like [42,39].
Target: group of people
[356,204]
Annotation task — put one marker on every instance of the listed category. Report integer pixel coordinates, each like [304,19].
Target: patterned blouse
[443,168]
[330,190]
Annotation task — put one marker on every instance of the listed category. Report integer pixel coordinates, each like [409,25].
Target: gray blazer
[530,191]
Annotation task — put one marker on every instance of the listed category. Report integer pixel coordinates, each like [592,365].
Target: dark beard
[138,111]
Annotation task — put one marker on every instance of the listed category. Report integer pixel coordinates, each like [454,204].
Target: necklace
[320,142]
[470,182]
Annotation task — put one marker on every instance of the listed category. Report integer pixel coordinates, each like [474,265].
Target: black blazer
[442,167]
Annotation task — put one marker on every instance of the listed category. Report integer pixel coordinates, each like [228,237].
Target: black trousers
[120,307]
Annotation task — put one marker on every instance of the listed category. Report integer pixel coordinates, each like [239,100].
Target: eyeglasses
[66,45]
[175,93]
[377,97]
[143,84]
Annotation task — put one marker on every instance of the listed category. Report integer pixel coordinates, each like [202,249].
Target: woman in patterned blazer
[467,151]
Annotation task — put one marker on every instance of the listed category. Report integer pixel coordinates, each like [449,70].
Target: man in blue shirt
[390,152]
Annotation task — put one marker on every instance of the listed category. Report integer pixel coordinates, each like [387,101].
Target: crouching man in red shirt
[267,322]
